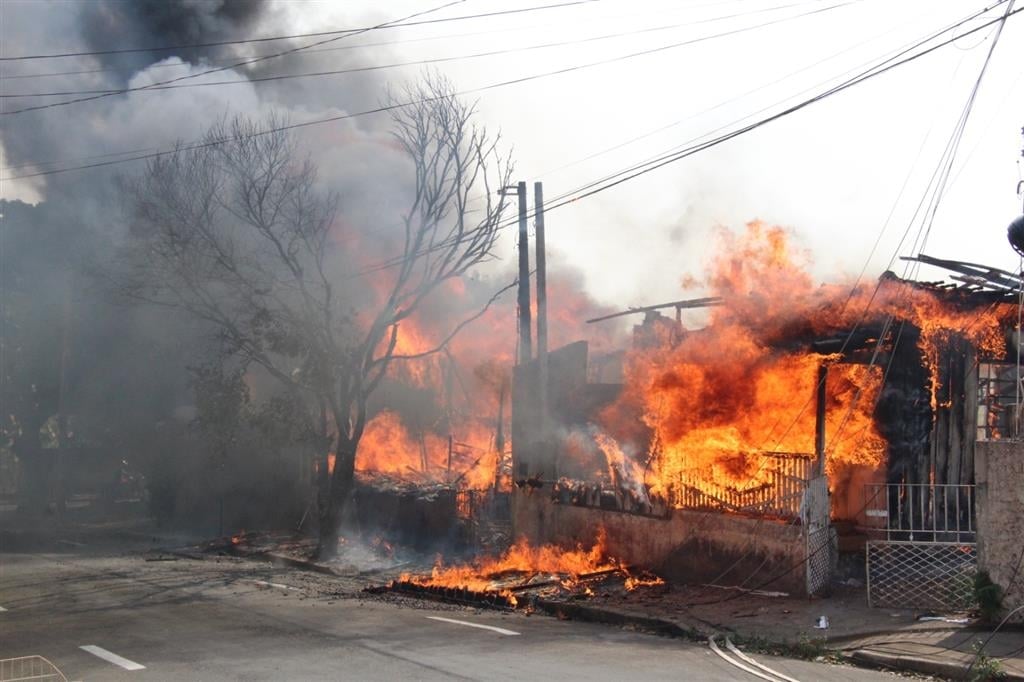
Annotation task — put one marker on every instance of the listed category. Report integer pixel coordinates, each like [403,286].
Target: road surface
[100,615]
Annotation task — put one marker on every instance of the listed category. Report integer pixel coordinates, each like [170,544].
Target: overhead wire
[293,36]
[642,169]
[244,62]
[630,173]
[401,41]
[417,62]
[400,105]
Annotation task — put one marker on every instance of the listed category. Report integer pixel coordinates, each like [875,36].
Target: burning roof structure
[789,387]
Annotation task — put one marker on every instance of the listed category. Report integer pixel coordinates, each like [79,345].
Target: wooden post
[525,328]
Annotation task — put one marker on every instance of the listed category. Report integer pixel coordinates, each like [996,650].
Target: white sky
[831,172]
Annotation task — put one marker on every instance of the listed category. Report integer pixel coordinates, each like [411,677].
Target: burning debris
[526,571]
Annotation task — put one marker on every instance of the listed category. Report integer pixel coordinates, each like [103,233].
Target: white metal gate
[819,543]
[922,553]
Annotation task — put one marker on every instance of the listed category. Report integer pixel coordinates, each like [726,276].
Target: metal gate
[819,543]
[922,552]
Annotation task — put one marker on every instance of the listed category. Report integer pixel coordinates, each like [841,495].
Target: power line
[643,169]
[385,43]
[400,105]
[567,198]
[317,34]
[419,62]
[245,62]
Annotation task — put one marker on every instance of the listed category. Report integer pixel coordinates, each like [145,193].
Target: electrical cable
[244,62]
[405,41]
[641,169]
[393,106]
[379,67]
[317,34]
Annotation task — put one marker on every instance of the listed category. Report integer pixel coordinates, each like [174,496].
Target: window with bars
[1000,394]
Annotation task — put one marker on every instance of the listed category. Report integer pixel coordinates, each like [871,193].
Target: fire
[709,407]
[486,574]
[643,580]
[468,460]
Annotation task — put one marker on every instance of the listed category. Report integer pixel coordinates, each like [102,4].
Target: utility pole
[542,314]
[819,419]
[525,328]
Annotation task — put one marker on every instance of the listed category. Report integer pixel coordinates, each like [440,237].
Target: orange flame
[722,396]
[485,574]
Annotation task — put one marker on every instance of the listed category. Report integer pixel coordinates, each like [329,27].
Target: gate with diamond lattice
[923,552]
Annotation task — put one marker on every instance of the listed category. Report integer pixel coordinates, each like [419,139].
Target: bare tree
[237,233]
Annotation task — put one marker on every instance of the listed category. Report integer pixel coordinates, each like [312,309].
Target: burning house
[797,422]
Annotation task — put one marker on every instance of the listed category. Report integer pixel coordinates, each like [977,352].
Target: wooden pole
[819,422]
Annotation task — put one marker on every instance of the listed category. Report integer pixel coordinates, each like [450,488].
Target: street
[105,615]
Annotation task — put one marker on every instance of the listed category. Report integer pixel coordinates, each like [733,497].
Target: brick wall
[999,476]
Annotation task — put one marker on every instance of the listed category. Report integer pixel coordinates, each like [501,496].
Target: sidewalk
[877,637]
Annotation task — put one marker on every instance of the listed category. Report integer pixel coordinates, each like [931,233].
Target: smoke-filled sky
[832,172]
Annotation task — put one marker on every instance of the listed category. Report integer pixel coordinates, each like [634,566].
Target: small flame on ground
[485,574]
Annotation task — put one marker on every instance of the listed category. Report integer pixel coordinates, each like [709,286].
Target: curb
[658,626]
[919,664]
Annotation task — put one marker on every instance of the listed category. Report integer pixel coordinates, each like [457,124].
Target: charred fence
[777,488]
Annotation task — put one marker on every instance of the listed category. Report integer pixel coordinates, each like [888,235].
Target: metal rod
[678,305]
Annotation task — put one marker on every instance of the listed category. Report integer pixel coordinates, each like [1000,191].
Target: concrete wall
[691,547]
[999,477]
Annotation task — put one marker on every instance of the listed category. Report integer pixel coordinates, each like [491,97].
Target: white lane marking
[500,631]
[732,647]
[264,583]
[2,609]
[111,657]
[733,662]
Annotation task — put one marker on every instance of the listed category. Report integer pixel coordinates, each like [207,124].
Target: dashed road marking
[500,631]
[2,609]
[111,657]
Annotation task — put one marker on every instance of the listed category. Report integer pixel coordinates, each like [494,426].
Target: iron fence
[924,575]
[920,512]
[778,489]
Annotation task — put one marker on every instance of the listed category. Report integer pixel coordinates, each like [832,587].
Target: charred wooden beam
[678,305]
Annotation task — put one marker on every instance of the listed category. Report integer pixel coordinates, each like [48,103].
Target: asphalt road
[214,619]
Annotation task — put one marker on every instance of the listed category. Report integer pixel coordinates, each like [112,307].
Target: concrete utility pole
[542,311]
[525,328]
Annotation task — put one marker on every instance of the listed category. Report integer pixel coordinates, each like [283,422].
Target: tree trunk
[334,491]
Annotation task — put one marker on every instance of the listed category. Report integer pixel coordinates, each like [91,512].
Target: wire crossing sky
[588,95]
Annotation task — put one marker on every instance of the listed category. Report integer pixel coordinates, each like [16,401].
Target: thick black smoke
[116,24]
